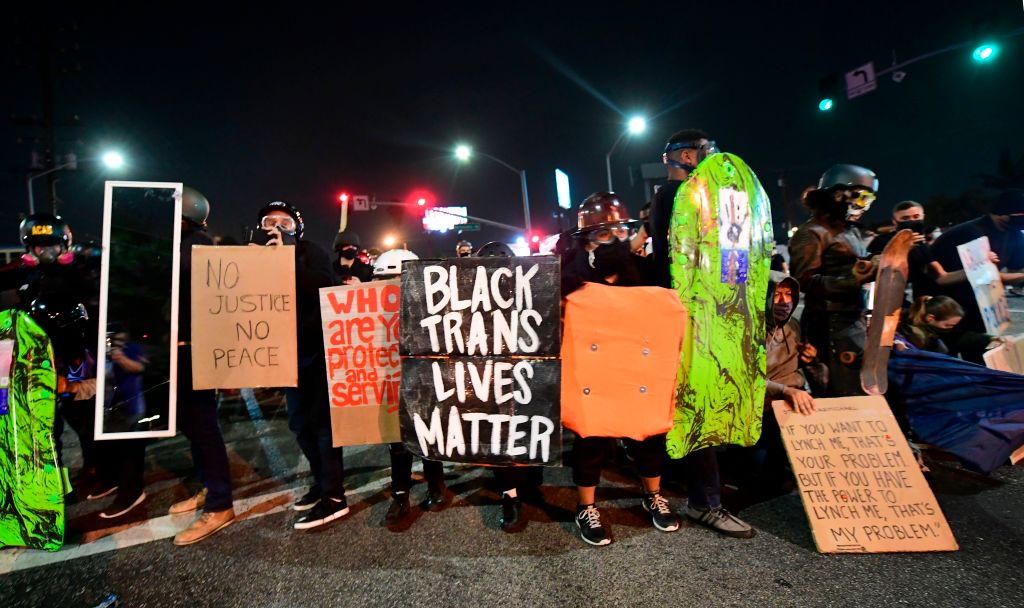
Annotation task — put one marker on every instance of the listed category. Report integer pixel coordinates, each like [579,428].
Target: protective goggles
[860,199]
[609,234]
[284,222]
[709,148]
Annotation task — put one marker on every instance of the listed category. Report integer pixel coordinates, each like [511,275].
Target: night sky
[251,106]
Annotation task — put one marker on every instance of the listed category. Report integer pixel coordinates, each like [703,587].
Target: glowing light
[463,152]
[825,104]
[985,53]
[390,240]
[114,160]
[637,125]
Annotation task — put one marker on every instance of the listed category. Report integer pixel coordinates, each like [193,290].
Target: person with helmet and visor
[197,410]
[603,255]
[824,254]
[463,249]
[349,268]
[309,415]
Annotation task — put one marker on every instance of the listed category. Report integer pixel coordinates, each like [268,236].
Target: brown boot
[206,525]
[193,503]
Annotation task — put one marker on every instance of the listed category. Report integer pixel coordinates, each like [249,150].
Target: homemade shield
[138,318]
[720,240]
[620,350]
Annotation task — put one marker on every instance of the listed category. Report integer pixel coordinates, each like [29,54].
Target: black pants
[591,454]
[123,463]
[81,417]
[199,421]
[518,478]
[309,417]
[833,334]
[401,470]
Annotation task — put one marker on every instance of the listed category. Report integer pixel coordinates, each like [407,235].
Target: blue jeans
[199,421]
[703,485]
[309,417]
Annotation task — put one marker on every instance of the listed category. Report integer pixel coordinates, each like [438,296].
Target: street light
[635,126]
[464,152]
[985,53]
[112,159]
[390,240]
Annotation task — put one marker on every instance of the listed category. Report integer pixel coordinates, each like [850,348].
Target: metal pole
[526,200]
[31,199]
[608,167]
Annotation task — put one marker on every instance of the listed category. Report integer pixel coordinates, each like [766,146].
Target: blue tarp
[969,410]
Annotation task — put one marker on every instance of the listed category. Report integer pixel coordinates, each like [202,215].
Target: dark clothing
[312,271]
[703,482]
[189,237]
[591,454]
[358,269]
[1008,245]
[528,479]
[198,419]
[661,217]
[401,470]
[918,262]
[309,417]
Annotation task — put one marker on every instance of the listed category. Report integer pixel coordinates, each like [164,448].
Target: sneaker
[205,526]
[324,512]
[512,519]
[399,509]
[308,500]
[437,499]
[721,520]
[193,503]
[662,515]
[588,519]
[100,490]
[122,505]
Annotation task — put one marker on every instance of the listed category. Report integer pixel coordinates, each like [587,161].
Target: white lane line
[160,528]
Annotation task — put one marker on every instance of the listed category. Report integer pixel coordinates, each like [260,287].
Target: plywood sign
[243,317]
[859,482]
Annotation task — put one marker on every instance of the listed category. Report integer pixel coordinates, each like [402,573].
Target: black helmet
[601,210]
[57,316]
[194,206]
[346,238]
[495,249]
[290,210]
[44,230]
[848,175]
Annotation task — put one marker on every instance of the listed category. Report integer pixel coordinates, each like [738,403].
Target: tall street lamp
[464,153]
[636,126]
[112,159]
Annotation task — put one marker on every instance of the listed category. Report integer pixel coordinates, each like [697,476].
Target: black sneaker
[122,505]
[437,499]
[588,520]
[721,520]
[512,519]
[308,500]
[323,512]
[662,515]
[399,510]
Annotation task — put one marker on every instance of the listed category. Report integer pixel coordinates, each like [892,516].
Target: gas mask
[853,204]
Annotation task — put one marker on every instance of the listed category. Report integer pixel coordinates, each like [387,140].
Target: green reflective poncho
[720,244]
[31,481]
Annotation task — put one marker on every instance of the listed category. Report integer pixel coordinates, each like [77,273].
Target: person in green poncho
[712,243]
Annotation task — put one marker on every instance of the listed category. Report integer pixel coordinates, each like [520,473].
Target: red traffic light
[343,197]
[422,202]
[533,240]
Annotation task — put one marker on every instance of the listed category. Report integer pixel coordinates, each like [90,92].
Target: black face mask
[915,225]
[782,311]
[610,259]
[348,253]
[465,254]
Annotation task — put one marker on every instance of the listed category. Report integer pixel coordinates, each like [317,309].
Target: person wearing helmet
[495,249]
[389,264]
[349,268]
[309,415]
[824,254]
[463,249]
[197,410]
[603,255]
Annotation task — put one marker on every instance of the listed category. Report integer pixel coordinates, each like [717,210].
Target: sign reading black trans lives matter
[480,339]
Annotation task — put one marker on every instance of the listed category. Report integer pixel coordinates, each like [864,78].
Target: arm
[806,249]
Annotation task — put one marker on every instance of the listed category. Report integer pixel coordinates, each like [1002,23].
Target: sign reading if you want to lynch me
[480,340]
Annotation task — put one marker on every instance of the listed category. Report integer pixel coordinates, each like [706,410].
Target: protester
[463,249]
[197,409]
[683,152]
[603,256]
[823,257]
[922,268]
[930,319]
[308,406]
[349,268]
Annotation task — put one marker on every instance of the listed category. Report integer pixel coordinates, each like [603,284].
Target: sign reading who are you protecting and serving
[480,371]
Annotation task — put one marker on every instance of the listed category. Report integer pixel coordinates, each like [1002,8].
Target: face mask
[782,311]
[48,255]
[349,253]
[915,225]
[464,254]
[940,330]
[610,259]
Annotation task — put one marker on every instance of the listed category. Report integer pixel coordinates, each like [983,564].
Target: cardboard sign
[482,410]
[861,487]
[642,347]
[360,324]
[1007,356]
[243,317]
[480,370]
[987,285]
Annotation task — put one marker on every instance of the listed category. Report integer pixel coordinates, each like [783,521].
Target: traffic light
[985,53]
[828,89]
[343,198]
[534,242]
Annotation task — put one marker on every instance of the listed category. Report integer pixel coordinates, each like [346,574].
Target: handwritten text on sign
[243,317]
[986,283]
[360,326]
[860,484]
[480,377]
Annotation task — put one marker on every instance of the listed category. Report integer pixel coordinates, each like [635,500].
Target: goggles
[860,199]
[284,222]
[609,234]
[709,148]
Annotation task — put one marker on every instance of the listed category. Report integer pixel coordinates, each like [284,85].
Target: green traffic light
[985,53]
[825,104]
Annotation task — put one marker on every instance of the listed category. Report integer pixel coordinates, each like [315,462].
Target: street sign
[361,203]
[562,187]
[473,227]
[861,80]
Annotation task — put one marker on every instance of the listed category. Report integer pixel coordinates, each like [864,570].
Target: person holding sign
[309,415]
[602,255]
